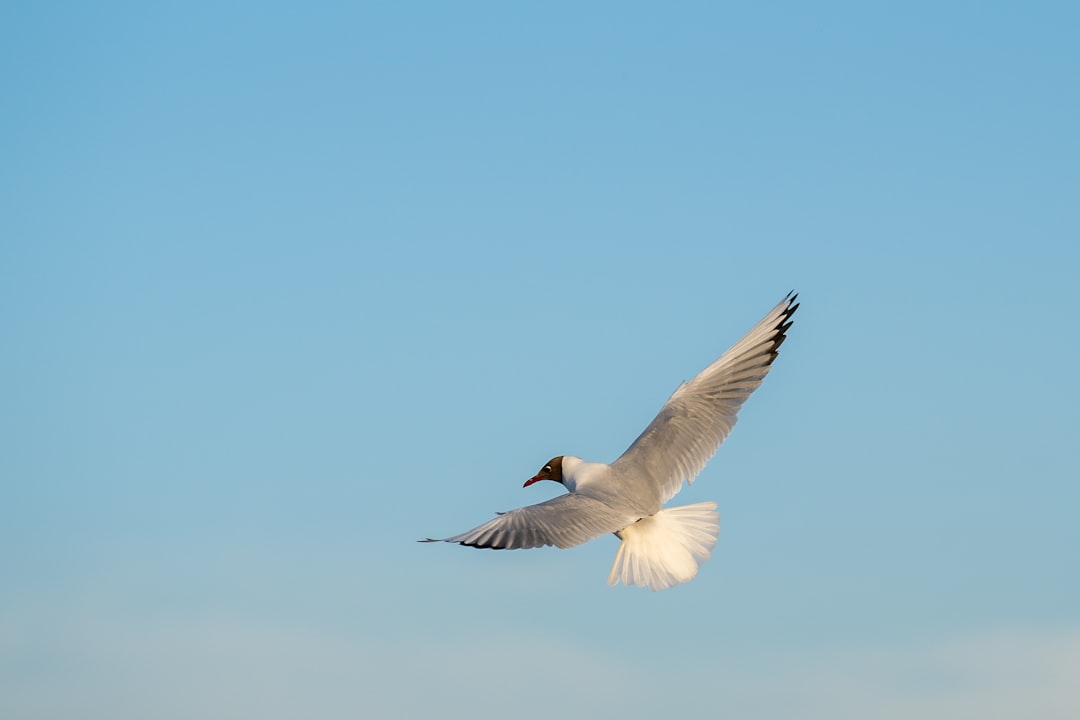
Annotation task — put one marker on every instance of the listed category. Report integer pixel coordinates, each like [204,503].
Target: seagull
[661,547]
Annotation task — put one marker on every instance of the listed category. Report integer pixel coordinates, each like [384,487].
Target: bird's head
[552,470]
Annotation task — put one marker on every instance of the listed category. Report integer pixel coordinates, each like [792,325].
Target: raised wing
[697,418]
[563,521]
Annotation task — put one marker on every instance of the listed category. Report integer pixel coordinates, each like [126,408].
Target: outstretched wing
[564,521]
[697,418]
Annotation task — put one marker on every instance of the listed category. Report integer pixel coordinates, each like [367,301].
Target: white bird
[660,547]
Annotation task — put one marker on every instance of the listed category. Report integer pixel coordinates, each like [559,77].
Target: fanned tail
[667,548]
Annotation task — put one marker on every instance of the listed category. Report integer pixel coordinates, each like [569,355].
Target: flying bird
[660,547]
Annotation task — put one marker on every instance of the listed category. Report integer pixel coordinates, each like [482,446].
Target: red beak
[531,480]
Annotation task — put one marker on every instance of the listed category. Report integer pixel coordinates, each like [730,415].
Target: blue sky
[283,289]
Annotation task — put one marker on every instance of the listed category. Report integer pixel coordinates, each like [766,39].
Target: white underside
[667,548]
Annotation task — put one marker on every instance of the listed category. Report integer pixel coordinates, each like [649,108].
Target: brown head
[552,470]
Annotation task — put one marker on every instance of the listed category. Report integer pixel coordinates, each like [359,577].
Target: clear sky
[285,287]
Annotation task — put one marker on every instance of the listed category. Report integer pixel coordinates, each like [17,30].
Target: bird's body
[660,546]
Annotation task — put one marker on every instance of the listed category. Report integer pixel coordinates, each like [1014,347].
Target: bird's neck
[578,473]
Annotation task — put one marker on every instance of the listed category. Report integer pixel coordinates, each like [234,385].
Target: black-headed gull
[660,547]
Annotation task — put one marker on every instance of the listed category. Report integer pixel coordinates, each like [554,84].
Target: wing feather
[563,521]
[700,414]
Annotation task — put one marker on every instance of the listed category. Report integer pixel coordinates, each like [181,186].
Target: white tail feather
[667,548]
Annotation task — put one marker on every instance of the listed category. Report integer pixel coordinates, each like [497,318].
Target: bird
[660,547]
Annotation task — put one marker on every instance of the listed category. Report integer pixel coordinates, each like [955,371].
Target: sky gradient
[284,289]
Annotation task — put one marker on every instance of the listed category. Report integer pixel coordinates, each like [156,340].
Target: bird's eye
[547,468]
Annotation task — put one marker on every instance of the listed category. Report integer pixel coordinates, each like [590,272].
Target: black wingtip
[792,306]
[430,540]
[784,322]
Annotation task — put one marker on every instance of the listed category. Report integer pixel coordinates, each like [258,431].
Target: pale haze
[285,289]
